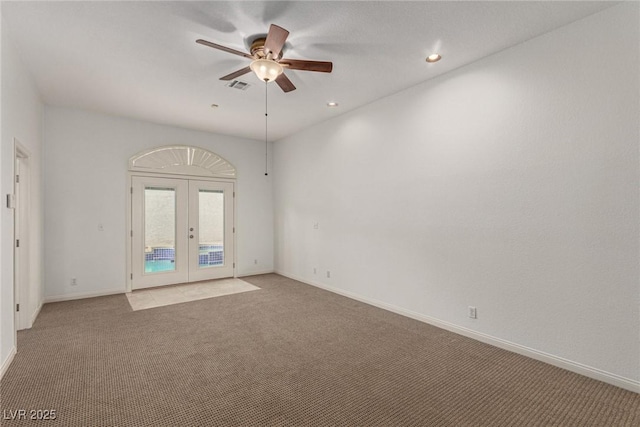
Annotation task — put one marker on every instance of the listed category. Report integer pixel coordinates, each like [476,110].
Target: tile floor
[166,295]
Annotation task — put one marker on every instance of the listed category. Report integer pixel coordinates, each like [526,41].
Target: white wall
[85,183]
[22,115]
[6,326]
[510,184]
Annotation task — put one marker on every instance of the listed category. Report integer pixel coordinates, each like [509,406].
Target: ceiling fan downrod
[266,120]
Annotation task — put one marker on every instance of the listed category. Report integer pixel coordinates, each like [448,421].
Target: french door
[182,231]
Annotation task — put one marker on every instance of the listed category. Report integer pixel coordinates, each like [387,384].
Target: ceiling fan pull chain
[266,115]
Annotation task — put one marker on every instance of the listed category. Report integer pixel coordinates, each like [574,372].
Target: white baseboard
[82,295]
[35,313]
[255,273]
[579,368]
[7,362]
[70,297]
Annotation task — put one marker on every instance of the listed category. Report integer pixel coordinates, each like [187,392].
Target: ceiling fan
[267,61]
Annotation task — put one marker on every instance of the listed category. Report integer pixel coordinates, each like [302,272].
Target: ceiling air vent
[237,84]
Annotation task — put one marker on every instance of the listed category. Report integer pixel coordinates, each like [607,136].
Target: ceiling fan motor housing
[257,49]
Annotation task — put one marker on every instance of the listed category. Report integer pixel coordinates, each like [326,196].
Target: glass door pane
[211,228]
[159,229]
[211,225]
[159,239]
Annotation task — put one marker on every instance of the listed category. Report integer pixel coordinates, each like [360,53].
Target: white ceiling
[140,59]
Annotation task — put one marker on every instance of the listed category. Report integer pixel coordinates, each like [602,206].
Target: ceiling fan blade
[235,74]
[224,48]
[275,40]
[299,64]
[284,83]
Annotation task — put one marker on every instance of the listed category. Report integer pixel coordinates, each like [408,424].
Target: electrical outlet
[473,313]
[328,274]
[74,282]
[315,270]
[255,261]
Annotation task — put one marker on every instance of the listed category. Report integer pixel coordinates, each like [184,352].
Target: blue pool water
[159,265]
[207,259]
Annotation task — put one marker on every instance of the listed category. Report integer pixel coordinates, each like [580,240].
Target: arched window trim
[182,160]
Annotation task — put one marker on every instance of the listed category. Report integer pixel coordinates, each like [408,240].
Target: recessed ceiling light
[332,104]
[214,105]
[434,57]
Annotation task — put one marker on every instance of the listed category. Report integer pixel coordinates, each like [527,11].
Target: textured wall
[22,113]
[510,184]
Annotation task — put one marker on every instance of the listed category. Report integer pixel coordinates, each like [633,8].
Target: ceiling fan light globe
[266,69]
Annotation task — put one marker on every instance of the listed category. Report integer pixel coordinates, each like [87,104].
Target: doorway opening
[21,247]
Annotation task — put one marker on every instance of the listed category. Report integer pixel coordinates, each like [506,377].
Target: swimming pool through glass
[163,259]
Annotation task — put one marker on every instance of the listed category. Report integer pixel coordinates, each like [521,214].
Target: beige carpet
[288,355]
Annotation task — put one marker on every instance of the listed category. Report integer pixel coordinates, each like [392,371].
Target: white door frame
[21,234]
[129,216]
[180,274]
